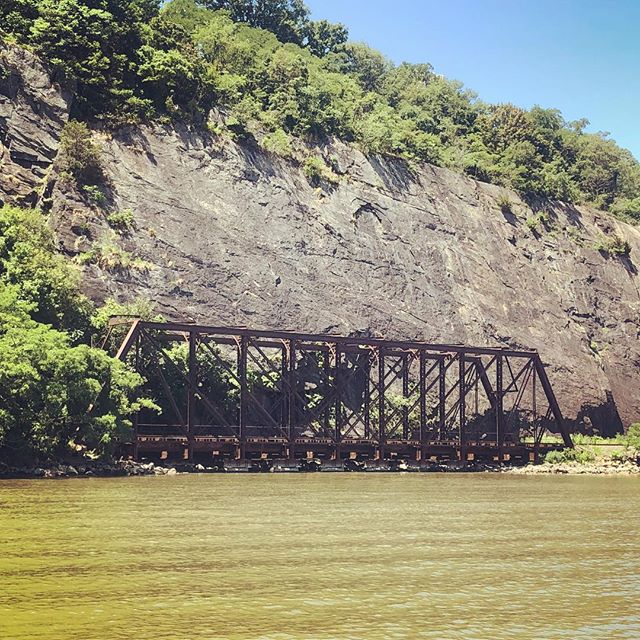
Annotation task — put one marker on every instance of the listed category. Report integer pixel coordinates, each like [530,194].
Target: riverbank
[129,468]
[606,467]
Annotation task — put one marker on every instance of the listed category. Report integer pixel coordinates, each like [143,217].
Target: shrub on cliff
[614,246]
[79,156]
[40,276]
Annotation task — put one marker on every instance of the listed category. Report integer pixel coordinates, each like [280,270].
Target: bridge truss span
[246,394]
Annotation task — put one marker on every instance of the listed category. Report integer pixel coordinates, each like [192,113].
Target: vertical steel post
[462,375]
[284,396]
[405,395]
[367,400]
[292,379]
[442,397]
[381,402]
[244,394]
[534,403]
[326,367]
[499,403]
[136,416]
[337,437]
[191,404]
[423,400]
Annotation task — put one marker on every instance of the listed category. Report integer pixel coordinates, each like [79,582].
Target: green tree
[292,76]
[367,65]
[322,37]
[287,19]
[53,394]
[79,156]
[54,390]
[17,16]
[94,44]
[42,278]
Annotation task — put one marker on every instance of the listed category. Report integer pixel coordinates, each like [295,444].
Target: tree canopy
[273,72]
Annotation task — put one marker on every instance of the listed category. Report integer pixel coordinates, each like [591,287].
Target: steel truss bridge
[235,393]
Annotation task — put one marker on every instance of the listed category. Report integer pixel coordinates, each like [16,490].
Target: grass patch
[614,246]
[94,195]
[570,455]
[317,171]
[504,203]
[541,221]
[112,258]
[122,221]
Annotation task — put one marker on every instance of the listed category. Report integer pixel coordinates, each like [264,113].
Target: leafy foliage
[79,156]
[49,379]
[274,73]
[110,257]
[288,20]
[540,220]
[122,221]
[614,246]
[570,455]
[632,437]
[40,278]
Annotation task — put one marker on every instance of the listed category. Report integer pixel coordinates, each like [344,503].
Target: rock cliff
[226,233]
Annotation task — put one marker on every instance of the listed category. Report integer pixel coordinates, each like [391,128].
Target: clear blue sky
[579,56]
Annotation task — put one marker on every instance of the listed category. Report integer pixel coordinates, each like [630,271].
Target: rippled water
[320,556]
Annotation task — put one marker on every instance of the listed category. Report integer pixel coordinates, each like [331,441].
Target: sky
[579,56]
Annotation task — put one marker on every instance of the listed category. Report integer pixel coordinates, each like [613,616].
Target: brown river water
[288,556]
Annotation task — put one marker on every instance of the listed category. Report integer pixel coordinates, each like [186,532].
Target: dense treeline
[273,72]
[56,392]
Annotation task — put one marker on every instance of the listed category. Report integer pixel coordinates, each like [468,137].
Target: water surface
[320,556]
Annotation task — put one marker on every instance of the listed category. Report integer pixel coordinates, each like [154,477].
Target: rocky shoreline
[129,468]
[599,468]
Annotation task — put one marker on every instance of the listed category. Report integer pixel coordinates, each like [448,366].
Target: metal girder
[296,390]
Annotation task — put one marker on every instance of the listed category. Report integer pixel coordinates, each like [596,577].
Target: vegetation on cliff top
[272,72]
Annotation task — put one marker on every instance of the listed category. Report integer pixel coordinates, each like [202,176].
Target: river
[319,556]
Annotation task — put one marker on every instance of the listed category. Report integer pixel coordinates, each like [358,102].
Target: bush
[541,219]
[54,389]
[632,437]
[504,203]
[95,195]
[569,455]
[614,246]
[79,156]
[28,261]
[121,221]
[279,143]
[110,257]
[626,455]
[317,171]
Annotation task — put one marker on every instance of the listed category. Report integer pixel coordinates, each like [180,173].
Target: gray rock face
[232,235]
[33,111]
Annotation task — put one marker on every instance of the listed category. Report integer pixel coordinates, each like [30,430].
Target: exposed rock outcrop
[231,234]
[33,111]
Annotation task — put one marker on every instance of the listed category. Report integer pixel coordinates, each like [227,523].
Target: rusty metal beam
[345,341]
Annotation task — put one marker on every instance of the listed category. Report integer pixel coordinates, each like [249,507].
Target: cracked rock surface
[33,111]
